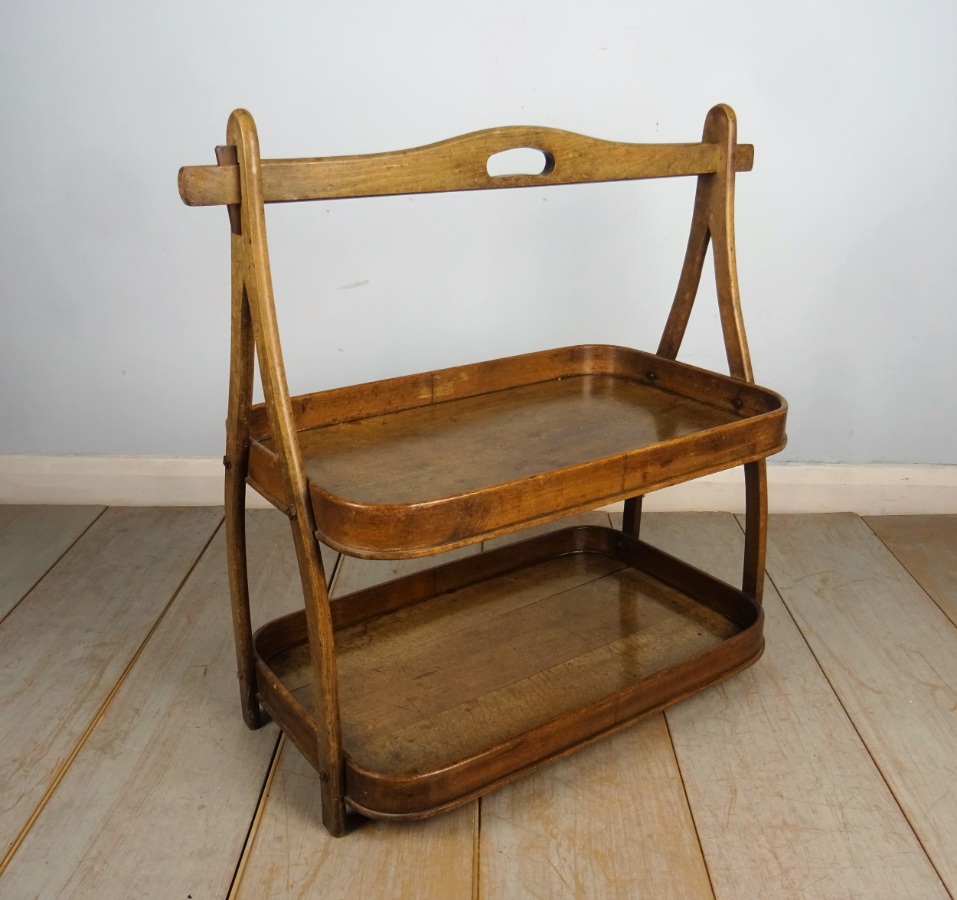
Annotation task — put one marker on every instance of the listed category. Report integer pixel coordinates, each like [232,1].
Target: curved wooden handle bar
[458,164]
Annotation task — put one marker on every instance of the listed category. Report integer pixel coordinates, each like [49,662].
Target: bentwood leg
[236,462]
[252,259]
[237,465]
[239,593]
[325,679]
[756,528]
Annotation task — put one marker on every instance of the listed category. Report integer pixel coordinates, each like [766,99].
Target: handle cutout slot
[520,161]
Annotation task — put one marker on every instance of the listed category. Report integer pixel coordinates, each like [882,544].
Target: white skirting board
[798,488]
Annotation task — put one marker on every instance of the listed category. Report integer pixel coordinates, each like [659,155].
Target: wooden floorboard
[786,799]
[32,539]
[291,855]
[890,655]
[826,770]
[294,856]
[164,789]
[64,648]
[572,829]
[927,547]
[609,821]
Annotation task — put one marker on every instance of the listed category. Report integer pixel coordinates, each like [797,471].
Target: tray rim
[458,382]
[421,528]
[666,686]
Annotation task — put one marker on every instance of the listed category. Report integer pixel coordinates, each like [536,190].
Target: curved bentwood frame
[244,183]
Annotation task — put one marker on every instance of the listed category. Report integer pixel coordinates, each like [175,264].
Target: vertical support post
[713,221]
[236,461]
[755,528]
[721,128]
[631,521]
[241,133]
[691,270]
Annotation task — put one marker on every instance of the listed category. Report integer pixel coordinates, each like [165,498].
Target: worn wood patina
[417,695]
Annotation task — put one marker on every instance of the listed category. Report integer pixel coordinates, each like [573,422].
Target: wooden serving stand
[418,695]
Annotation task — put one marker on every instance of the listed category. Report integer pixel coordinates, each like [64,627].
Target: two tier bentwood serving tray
[415,696]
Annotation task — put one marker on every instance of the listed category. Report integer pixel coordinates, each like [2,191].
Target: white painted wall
[114,295]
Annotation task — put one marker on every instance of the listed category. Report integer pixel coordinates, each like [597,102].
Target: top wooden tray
[415,465]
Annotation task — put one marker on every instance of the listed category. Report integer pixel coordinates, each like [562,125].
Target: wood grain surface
[609,821]
[783,779]
[566,635]
[469,444]
[32,539]
[511,442]
[293,856]
[927,547]
[159,799]
[583,644]
[290,855]
[65,648]
[786,799]
[457,164]
[888,651]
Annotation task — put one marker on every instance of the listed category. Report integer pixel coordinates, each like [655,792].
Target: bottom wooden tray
[457,679]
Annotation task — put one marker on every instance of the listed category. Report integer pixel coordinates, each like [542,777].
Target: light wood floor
[829,769]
